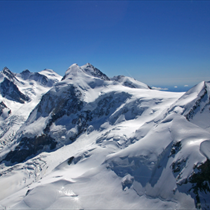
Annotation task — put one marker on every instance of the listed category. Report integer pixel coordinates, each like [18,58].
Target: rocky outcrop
[9,90]
[4,108]
[29,147]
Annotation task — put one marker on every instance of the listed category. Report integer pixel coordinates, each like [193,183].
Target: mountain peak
[87,69]
[88,65]
[130,82]
[195,105]
[73,65]
[8,74]
[73,70]
[92,71]
[50,74]
[26,71]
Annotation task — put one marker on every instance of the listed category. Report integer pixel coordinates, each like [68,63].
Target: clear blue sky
[156,42]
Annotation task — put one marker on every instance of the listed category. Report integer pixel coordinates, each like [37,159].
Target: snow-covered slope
[129,82]
[195,105]
[9,87]
[19,95]
[94,142]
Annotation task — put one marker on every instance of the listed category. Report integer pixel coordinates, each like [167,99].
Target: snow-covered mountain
[19,94]
[9,87]
[129,82]
[195,105]
[92,142]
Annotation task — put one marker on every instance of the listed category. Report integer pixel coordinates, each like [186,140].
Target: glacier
[87,141]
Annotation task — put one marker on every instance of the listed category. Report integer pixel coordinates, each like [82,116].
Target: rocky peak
[195,105]
[86,70]
[10,91]
[8,74]
[92,71]
[4,110]
[25,74]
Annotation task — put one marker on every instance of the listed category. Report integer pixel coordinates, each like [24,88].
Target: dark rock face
[109,103]
[8,74]
[197,108]
[96,72]
[25,74]
[70,160]
[9,90]
[66,102]
[2,107]
[200,181]
[176,147]
[28,147]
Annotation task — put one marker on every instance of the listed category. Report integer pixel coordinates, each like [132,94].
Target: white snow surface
[20,112]
[50,74]
[195,105]
[129,82]
[137,156]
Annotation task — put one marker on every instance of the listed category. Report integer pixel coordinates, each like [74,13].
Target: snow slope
[28,85]
[94,142]
[129,82]
[195,105]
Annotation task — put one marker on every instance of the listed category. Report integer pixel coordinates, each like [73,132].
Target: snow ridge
[20,93]
[144,148]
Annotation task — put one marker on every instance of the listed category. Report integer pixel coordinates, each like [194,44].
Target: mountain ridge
[136,147]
